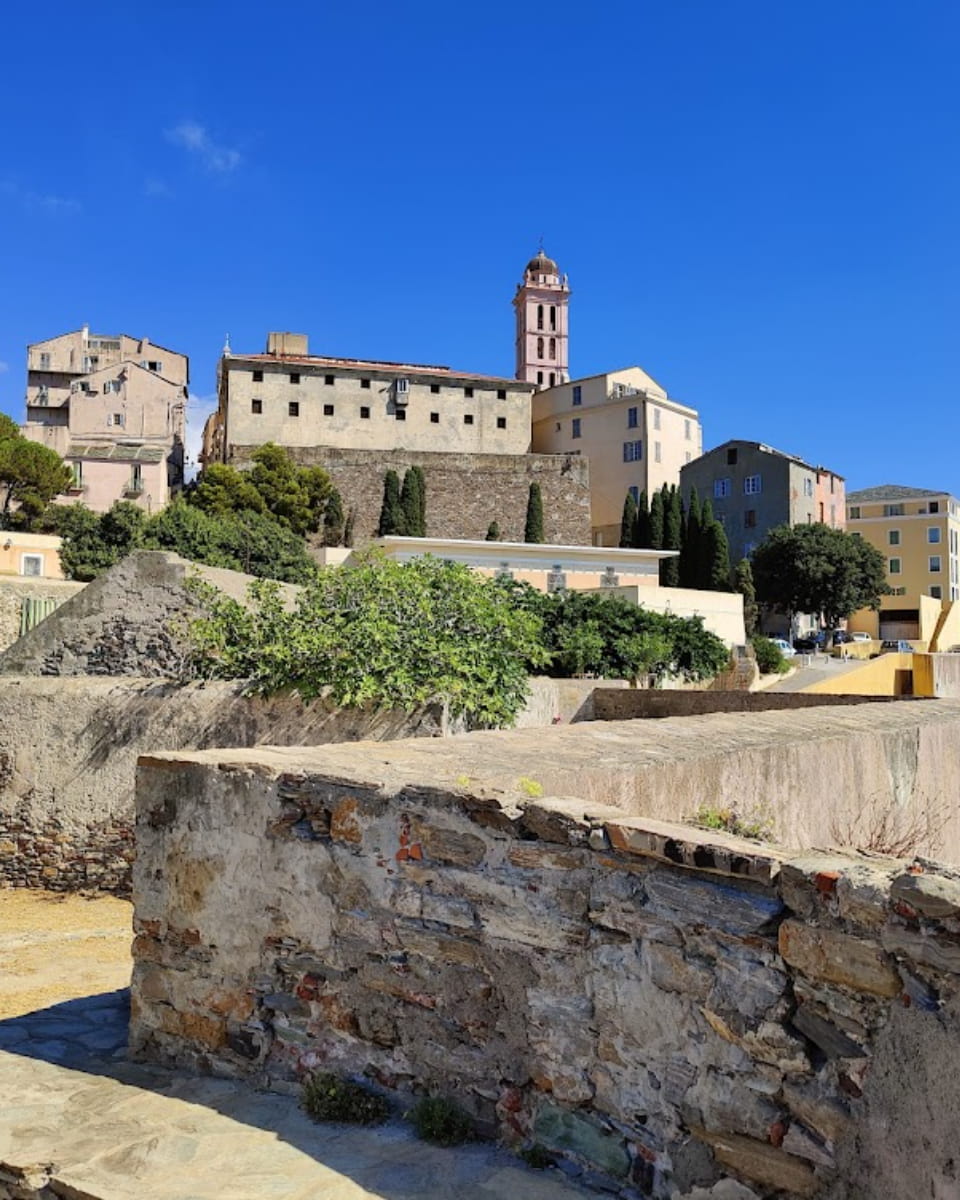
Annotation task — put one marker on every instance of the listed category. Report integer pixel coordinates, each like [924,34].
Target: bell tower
[541,305]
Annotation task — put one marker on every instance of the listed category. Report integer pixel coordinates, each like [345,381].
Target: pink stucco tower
[541,304]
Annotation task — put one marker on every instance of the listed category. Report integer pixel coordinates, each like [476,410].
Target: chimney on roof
[286,345]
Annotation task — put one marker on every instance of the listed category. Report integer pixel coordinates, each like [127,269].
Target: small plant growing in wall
[728,820]
[441,1121]
[529,787]
[326,1097]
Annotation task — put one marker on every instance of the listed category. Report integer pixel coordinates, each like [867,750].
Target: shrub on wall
[379,634]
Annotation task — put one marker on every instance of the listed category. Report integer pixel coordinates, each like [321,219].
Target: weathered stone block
[712,903]
[448,845]
[560,1129]
[856,963]
[761,1162]
[934,896]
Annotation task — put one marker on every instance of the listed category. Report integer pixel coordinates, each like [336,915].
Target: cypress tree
[719,559]
[533,526]
[641,532]
[333,519]
[743,583]
[348,528]
[656,522]
[391,514]
[493,532]
[690,549]
[410,503]
[422,513]
[628,522]
[672,523]
[702,568]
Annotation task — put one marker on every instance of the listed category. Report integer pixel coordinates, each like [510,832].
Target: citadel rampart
[465,492]
[660,1004]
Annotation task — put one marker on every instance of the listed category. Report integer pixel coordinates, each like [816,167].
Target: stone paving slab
[76,1115]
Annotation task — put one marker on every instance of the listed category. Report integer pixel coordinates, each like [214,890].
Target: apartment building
[754,488]
[636,437]
[114,407]
[299,400]
[917,530]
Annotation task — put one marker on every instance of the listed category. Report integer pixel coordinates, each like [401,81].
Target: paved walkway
[75,1114]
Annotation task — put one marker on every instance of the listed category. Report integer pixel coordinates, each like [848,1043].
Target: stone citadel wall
[465,492]
[658,1004]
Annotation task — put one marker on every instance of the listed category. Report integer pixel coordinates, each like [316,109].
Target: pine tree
[641,532]
[391,514]
[655,539]
[743,583]
[493,532]
[410,503]
[672,522]
[719,559]
[333,519]
[628,522]
[690,549]
[533,526]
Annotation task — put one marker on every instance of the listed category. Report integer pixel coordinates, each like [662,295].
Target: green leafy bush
[326,1097]
[441,1121]
[380,634]
[769,659]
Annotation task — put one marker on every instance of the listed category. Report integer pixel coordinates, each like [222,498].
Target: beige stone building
[114,408]
[300,400]
[636,437]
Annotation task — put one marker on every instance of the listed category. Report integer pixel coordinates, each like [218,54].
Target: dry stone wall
[465,492]
[658,1006]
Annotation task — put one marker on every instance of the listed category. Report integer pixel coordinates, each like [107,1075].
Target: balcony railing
[134,488]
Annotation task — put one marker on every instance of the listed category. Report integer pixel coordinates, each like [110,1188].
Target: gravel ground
[56,947]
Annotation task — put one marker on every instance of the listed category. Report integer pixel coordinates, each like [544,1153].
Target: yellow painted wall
[887,675]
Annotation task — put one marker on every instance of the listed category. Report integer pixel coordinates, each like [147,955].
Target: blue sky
[758,202]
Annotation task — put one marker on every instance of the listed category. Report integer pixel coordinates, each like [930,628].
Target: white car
[861,637]
[784,647]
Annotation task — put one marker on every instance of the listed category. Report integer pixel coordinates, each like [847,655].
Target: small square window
[468,418]
[256,406]
[328,410]
[293,408]
[435,389]
[364,413]
[434,418]
[934,563]
[294,377]
[401,414]
[934,506]
[721,488]
[752,485]
[732,456]
[328,381]
[501,393]
[258,377]
[936,591]
[365,383]
[893,566]
[854,512]
[750,519]
[468,392]
[501,422]
[933,534]
[893,537]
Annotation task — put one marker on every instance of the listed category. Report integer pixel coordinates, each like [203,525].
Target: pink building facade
[114,408]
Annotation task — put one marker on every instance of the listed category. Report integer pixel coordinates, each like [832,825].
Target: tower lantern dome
[541,265]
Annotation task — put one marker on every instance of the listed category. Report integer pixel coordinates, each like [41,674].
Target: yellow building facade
[918,533]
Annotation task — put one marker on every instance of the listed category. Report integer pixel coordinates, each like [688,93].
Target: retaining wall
[13,592]
[659,1005]
[637,703]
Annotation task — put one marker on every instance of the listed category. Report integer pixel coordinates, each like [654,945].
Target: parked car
[897,646]
[810,643]
[841,637]
[784,647]
[861,637]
